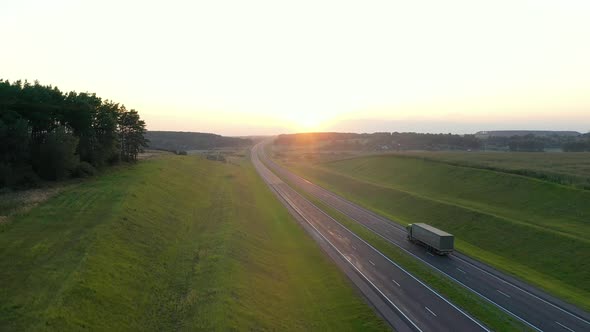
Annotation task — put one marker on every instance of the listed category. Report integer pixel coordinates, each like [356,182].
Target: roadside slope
[171,243]
[550,250]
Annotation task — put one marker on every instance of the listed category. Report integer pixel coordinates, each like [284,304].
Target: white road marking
[353,247]
[395,282]
[501,292]
[461,271]
[371,262]
[428,252]
[430,311]
[565,327]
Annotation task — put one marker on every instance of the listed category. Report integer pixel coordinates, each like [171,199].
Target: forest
[178,141]
[47,134]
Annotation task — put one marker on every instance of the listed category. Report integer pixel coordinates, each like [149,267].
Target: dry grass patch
[18,202]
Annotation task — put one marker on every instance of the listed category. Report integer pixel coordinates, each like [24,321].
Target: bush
[5,174]
[21,176]
[57,158]
[83,170]
[24,177]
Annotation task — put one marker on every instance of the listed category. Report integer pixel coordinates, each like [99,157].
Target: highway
[533,307]
[404,301]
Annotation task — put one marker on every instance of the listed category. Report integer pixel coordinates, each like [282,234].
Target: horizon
[265,68]
[370,132]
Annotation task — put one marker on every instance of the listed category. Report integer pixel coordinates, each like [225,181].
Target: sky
[270,67]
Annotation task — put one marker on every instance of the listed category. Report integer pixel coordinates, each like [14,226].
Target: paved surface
[535,308]
[405,302]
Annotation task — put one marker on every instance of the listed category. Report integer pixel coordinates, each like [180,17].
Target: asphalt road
[535,308]
[404,301]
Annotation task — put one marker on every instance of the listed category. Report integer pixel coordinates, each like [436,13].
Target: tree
[131,134]
[57,155]
[14,146]
[14,135]
[106,133]
[527,143]
[48,131]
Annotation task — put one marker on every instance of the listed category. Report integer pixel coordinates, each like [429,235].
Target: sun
[308,122]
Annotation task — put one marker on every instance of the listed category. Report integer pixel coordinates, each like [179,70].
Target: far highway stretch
[533,307]
[405,302]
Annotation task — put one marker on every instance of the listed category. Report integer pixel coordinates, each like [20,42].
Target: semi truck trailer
[435,240]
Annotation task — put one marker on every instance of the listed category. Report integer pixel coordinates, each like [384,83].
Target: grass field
[563,168]
[533,229]
[175,243]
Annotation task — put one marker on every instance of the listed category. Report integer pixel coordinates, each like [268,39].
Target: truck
[435,240]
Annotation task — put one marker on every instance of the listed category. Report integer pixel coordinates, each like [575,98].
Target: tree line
[177,141]
[49,134]
[582,144]
[537,143]
[382,141]
[434,142]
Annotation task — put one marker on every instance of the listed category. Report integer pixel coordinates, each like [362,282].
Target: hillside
[533,229]
[185,141]
[510,133]
[175,243]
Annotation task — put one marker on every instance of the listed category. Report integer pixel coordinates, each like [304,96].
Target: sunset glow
[265,67]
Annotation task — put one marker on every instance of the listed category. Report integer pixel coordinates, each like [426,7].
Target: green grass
[177,243]
[535,230]
[563,168]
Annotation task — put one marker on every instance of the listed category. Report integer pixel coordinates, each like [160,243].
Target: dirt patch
[22,201]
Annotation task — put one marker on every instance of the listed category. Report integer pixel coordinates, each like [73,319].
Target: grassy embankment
[535,230]
[171,243]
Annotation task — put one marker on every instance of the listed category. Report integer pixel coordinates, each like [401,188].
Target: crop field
[564,168]
[172,243]
[536,230]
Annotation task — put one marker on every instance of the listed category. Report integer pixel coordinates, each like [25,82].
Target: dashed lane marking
[565,327]
[430,311]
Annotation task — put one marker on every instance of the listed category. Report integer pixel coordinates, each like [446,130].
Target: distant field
[564,168]
[571,168]
[536,230]
[173,243]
